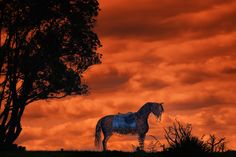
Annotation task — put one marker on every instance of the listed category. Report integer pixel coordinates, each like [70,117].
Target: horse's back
[120,123]
[124,121]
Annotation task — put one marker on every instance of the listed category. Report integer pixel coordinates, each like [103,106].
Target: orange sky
[179,53]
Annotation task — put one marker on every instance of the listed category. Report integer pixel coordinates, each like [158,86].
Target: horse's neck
[143,112]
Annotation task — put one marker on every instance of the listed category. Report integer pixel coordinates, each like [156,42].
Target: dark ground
[106,154]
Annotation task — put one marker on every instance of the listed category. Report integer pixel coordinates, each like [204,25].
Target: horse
[130,123]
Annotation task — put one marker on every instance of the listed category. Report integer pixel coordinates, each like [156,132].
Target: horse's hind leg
[104,141]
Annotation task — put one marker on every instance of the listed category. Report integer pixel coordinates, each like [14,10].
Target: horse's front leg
[141,141]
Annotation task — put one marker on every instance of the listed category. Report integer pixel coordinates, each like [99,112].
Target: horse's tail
[98,129]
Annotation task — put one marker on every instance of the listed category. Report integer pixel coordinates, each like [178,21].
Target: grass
[105,154]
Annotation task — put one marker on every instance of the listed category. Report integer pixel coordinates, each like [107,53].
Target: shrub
[180,139]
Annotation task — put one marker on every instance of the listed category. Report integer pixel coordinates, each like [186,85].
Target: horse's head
[156,108]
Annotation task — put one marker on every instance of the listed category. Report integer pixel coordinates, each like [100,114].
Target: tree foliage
[45,46]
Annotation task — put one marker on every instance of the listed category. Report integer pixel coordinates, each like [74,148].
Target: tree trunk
[12,108]
[10,127]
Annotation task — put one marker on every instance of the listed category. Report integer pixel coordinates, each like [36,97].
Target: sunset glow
[179,53]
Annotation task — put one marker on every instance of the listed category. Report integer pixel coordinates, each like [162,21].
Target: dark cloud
[229,70]
[152,84]
[197,102]
[82,112]
[149,59]
[161,20]
[71,109]
[35,111]
[115,47]
[44,109]
[205,50]
[31,133]
[195,76]
[108,80]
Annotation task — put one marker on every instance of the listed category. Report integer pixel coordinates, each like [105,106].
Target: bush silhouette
[181,140]
[190,144]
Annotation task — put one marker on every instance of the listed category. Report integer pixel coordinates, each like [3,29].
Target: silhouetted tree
[45,46]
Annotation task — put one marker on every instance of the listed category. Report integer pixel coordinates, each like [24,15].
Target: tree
[45,46]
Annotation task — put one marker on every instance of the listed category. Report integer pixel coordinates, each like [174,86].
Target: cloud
[65,135]
[35,111]
[194,102]
[229,70]
[109,79]
[152,83]
[31,133]
[195,76]
[43,109]
[198,50]
[151,20]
